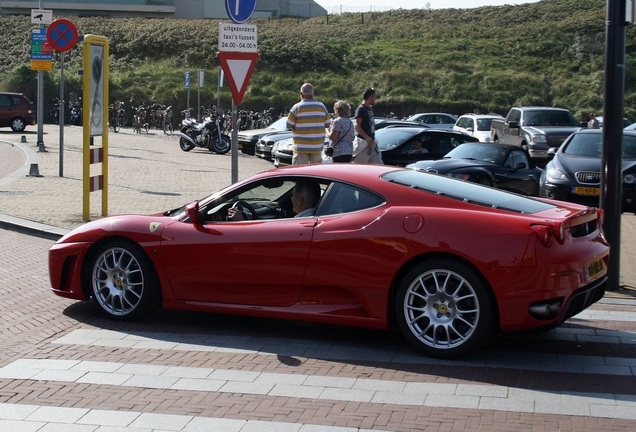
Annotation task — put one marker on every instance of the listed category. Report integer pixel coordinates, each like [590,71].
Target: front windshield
[549,118]
[280,124]
[390,138]
[483,152]
[591,145]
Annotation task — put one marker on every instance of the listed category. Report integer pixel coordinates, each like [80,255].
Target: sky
[337,6]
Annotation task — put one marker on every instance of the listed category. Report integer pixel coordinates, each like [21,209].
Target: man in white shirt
[305,198]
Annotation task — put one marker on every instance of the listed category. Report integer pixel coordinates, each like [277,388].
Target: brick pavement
[63,367]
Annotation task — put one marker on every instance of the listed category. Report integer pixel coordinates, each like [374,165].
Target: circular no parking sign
[62,35]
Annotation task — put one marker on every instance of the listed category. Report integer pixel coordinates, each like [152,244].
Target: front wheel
[445,309]
[168,128]
[221,146]
[185,144]
[123,281]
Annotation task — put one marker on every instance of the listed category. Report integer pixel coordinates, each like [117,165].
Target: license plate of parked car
[586,190]
[591,270]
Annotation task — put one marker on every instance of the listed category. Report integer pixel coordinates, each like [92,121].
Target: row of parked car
[462,147]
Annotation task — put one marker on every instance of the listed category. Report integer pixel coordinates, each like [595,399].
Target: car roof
[491,144]
[533,108]
[482,115]
[422,128]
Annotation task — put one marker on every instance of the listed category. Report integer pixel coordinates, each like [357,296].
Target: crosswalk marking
[469,396]
[31,418]
[349,352]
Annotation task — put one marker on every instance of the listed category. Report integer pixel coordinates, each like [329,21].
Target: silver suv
[477,125]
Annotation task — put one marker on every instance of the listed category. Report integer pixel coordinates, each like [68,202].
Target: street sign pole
[62,104]
[40,102]
[239,65]
[234,143]
[61,36]
[187,83]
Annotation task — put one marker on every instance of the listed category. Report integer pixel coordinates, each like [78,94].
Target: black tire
[445,309]
[185,144]
[123,281]
[221,146]
[18,124]
[168,128]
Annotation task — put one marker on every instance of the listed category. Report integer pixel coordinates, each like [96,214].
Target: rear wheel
[444,308]
[123,281]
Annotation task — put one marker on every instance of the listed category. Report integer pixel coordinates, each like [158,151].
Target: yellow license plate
[587,191]
[594,269]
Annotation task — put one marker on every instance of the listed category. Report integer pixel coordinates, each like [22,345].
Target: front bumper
[570,193]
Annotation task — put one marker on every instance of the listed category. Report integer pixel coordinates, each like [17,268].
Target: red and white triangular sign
[238,68]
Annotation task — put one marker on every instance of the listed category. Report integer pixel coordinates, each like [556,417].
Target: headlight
[553,174]
[629,178]
[459,176]
[538,138]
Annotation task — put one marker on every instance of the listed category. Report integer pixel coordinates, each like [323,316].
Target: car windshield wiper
[174,211]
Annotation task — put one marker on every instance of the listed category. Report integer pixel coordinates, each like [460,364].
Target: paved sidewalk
[147,174]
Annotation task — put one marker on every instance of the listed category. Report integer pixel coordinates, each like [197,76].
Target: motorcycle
[76,113]
[55,111]
[207,134]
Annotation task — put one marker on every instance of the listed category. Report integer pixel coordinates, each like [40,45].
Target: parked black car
[574,174]
[404,145]
[500,165]
[381,123]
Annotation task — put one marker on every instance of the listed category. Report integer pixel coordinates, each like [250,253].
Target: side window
[344,198]
[515,115]
[445,144]
[517,160]
[5,101]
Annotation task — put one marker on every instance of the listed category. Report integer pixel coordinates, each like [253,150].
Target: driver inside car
[305,197]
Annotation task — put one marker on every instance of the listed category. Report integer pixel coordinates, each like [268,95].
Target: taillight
[600,218]
[542,232]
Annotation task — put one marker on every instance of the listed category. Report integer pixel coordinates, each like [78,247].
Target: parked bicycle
[166,121]
[139,120]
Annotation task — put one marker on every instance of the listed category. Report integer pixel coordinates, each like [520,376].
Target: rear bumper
[584,298]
